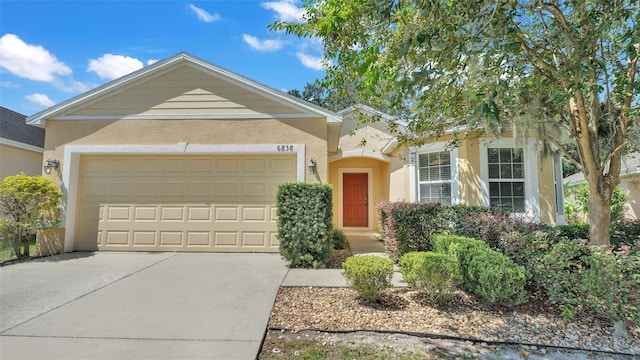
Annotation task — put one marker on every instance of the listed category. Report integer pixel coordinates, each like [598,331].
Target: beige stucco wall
[470,172]
[398,173]
[546,184]
[14,161]
[352,134]
[379,179]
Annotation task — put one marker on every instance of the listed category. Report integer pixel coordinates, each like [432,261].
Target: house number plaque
[285,148]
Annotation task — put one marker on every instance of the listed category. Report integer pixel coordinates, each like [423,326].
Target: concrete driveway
[138,305]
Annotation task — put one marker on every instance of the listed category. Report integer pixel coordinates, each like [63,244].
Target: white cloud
[29,61]
[110,66]
[286,10]
[312,62]
[203,14]
[151,61]
[262,45]
[41,99]
[9,85]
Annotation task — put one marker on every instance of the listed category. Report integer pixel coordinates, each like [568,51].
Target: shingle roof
[13,126]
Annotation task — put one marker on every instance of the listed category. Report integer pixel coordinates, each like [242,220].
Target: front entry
[355,200]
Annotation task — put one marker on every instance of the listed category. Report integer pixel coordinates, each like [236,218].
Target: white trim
[369,172]
[71,167]
[558,189]
[187,117]
[531,187]
[21,145]
[360,154]
[455,178]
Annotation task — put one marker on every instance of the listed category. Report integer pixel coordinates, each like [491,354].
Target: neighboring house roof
[160,67]
[15,131]
[630,166]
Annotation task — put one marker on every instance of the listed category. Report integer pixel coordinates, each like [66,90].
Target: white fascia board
[20,145]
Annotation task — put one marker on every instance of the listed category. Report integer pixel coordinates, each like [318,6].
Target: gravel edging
[405,310]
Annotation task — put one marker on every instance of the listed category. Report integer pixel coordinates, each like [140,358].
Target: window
[506,179]
[434,177]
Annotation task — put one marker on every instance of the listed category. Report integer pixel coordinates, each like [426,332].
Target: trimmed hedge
[436,274]
[407,226]
[304,223]
[369,275]
[485,272]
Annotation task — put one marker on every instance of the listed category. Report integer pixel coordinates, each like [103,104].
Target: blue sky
[53,50]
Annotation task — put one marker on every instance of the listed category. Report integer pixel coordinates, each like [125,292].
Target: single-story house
[183,155]
[21,145]
[629,182]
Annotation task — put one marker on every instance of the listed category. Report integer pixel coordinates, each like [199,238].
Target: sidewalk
[360,244]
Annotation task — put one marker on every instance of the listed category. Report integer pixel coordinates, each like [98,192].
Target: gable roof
[58,111]
[13,127]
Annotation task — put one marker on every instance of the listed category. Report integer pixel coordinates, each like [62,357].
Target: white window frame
[531,187]
[415,152]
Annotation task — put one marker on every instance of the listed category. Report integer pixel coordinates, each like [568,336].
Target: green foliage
[407,226]
[626,232]
[577,198]
[496,278]
[369,275]
[304,223]
[487,65]
[27,203]
[575,231]
[436,274]
[583,278]
[338,239]
[485,272]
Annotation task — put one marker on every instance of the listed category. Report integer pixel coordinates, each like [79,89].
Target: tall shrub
[304,223]
[27,203]
[407,226]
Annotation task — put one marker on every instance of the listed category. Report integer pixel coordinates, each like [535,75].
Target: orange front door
[355,204]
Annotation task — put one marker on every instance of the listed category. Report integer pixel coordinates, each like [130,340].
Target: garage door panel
[144,238]
[146,213]
[187,203]
[118,238]
[199,213]
[171,238]
[254,239]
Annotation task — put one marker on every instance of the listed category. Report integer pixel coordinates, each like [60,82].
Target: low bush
[408,226]
[496,278]
[338,239]
[485,272]
[626,232]
[304,223]
[572,232]
[436,274]
[526,249]
[579,277]
[368,275]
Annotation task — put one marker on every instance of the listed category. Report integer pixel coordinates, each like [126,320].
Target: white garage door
[180,203]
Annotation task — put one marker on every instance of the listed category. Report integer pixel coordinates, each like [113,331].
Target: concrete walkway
[138,305]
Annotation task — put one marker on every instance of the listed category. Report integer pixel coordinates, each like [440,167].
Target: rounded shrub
[369,275]
[436,274]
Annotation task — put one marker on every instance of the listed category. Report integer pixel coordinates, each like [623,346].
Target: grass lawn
[7,254]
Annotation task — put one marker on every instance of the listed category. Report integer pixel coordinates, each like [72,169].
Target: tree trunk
[599,217]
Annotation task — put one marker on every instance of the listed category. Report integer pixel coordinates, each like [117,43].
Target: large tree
[562,71]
